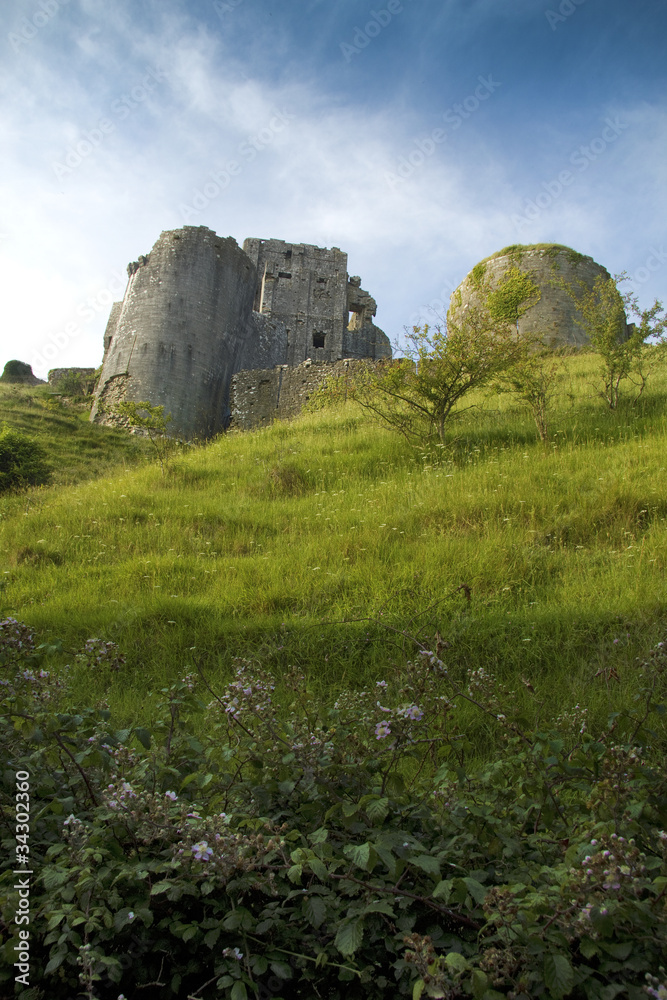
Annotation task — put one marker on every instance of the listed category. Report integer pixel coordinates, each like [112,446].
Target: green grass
[76,449]
[317,542]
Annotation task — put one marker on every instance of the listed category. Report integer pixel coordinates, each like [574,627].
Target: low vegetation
[321,711]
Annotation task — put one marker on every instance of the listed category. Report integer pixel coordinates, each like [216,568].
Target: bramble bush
[349,851]
[23,461]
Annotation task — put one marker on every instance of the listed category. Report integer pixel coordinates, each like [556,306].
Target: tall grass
[327,541]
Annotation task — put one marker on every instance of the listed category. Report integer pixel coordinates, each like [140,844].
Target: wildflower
[381,684]
[130,915]
[412,712]
[233,953]
[381,730]
[171,795]
[202,851]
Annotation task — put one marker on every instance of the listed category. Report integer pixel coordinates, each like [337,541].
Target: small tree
[621,348]
[154,423]
[535,380]
[416,394]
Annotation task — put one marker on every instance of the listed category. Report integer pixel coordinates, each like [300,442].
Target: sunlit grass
[318,542]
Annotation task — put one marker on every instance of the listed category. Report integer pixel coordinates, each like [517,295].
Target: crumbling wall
[257,398]
[198,309]
[80,380]
[305,287]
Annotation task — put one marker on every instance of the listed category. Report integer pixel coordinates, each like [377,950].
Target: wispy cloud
[218,84]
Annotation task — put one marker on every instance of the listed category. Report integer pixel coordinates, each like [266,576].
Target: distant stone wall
[259,397]
[84,377]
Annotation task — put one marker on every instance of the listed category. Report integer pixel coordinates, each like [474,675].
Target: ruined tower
[554,317]
[198,309]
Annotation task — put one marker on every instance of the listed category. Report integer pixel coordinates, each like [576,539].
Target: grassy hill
[327,542]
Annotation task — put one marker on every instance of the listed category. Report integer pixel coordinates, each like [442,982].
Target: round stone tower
[554,317]
[180,332]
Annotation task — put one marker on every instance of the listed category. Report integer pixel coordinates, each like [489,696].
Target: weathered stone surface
[198,309]
[182,331]
[554,317]
[81,380]
[257,398]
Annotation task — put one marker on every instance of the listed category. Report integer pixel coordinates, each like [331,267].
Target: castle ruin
[198,309]
[558,272]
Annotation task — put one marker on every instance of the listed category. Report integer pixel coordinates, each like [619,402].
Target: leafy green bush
[337,852]
[22,461]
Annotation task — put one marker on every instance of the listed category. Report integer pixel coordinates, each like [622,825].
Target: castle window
[318,338]
[284,274]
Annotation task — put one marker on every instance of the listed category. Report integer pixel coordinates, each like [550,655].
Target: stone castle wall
[198,309]
[555,316]
[257,398]
[84,376]
[182,331]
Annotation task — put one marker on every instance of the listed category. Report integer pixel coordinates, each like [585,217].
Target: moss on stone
[477,275]
[518,250]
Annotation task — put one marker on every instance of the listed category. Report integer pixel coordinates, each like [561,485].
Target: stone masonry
[555,317]
[198,309]
[259,397]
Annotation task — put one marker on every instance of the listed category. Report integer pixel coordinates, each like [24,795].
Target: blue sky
[419,136]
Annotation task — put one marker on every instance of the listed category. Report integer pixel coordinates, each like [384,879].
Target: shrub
[342,852]
[22,461]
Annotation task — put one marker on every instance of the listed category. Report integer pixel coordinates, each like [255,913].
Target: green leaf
[144,737]
[427,864]
[377,810]
[315,910]
[476,890]
[443,890]
[319,868]
[318,836]
[362,855]
[211,938]
[379,906]
[456,962]
[479,982]
[588,948]
[418,989]
[239,991]
[619,951]
[350,808]
[611,991]
[294,874]
[558,975]
[55,962]
[349,936]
